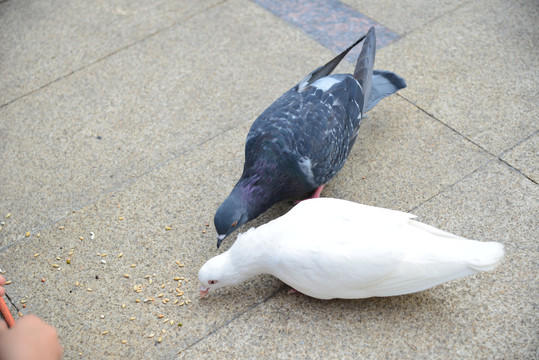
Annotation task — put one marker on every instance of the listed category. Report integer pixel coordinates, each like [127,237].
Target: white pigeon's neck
[251,253]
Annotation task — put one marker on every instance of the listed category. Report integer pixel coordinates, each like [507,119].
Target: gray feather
[384,83]
[365,64]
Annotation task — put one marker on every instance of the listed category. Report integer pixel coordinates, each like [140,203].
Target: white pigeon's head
[215,273]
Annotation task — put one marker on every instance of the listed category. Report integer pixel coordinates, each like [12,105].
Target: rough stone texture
[525,157]
[56,38]
[135,115]
[409,15]
[94,131]
[475,69]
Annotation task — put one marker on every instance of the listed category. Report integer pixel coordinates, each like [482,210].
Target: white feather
[329,248]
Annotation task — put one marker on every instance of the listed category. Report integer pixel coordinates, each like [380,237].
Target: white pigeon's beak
[220,238]
[203,291]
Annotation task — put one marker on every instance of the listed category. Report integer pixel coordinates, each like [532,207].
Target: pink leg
[316,194]
[293,291]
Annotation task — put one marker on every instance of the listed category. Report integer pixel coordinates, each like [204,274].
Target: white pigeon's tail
[486,256]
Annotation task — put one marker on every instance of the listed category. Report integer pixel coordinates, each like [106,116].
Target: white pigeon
[330,248]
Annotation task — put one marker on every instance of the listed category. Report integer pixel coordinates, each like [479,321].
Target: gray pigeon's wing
[312,131]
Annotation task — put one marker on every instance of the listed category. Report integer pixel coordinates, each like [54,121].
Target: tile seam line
[86,66]
[237,316]
[22,239]
[453,184]
[497,156]
[448,12]
[432,116]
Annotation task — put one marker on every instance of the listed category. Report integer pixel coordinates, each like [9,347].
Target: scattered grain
[124,341]
[8,215]
[120,255]
[105,332]
[126,276]
[159,339]
[36,254]
[55,266]
[160,316]
[89,289]
[168,228]
[132,318]
[120,218]
[123,306]
[81,237]
[151,335]
[61,227]
[28,234]
[8,282]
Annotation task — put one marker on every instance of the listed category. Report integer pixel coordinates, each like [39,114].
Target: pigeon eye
[234,223]
[211,282]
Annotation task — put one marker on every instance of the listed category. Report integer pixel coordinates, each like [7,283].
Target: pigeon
[303,139]
[330,248]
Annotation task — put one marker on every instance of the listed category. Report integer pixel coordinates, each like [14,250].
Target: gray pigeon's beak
[220,239]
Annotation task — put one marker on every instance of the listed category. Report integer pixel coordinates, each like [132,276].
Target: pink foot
[316,194]
[292,291]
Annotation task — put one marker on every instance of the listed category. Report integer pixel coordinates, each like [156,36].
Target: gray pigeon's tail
[364,65]
[326,69]
[384,83]
[376,84]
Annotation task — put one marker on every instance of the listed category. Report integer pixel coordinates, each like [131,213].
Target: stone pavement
[122,127]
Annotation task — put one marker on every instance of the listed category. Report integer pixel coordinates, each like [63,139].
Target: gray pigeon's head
[230,216]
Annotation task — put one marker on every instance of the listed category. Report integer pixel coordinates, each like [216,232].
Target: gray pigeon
[303,139]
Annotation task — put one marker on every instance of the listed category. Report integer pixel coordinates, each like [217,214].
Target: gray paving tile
[181,195]
[91,132]
[475,69]
[490,315]
[524,157]
[41,41]
[402,158]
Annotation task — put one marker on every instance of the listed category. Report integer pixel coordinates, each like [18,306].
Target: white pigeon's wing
[333,265]
[330,248]
[337,210]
